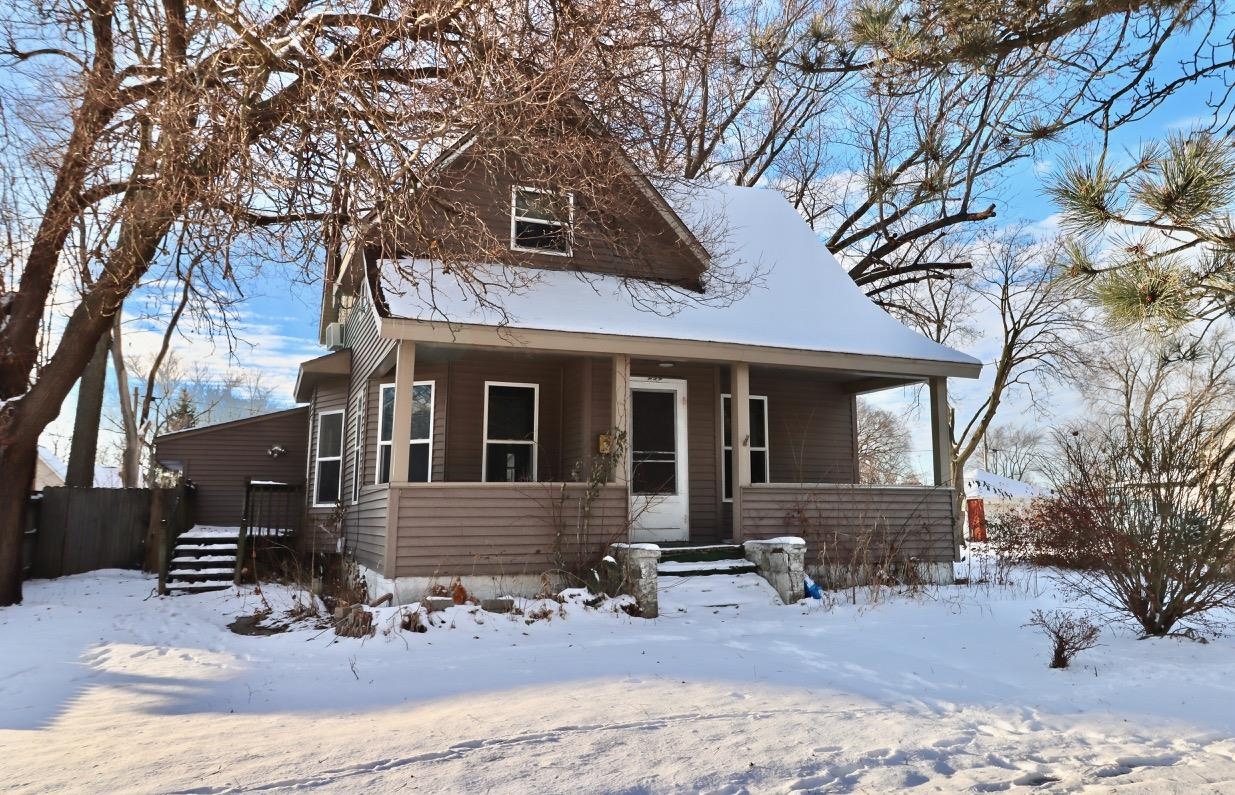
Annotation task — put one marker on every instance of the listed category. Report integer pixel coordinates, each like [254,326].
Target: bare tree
[1012,451]
[275,126]
[1151,475]
[1035,323]
[891,126]
[883,447]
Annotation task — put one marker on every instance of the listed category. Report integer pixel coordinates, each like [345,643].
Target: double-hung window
[541,221]
[328,480]
[758,441]
[510,432]
[420,454]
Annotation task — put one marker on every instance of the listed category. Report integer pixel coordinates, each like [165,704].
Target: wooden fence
[86,529]
[80,529]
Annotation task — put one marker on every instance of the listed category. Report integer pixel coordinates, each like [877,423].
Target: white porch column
[401,432]
[739,434]
[621,416]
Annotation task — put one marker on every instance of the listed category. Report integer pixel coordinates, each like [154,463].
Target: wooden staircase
[204,560]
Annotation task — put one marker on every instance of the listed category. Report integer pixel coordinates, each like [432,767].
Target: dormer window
[540,221]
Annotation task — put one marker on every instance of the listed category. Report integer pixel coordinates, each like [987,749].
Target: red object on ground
[975,509]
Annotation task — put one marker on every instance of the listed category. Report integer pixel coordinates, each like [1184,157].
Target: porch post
[739,433]
[400,447]
[401,432]
[941,433]
[621,416]
[941,437]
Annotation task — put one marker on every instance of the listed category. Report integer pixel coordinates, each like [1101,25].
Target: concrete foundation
[481,586]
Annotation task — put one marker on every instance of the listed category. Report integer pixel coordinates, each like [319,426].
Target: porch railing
[271,510]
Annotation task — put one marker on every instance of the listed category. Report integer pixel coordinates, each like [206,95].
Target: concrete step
[705,553]
[703,568]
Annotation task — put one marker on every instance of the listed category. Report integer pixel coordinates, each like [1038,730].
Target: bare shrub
[1070,634]
[1163,535]
[865,553]
[1049,532]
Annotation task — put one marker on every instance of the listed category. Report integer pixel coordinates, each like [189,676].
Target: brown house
[499,433]
[511,420]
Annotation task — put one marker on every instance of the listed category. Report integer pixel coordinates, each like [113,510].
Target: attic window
[540,221]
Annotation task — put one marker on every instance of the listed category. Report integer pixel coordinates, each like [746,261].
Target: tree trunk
[86,423]
[18,460]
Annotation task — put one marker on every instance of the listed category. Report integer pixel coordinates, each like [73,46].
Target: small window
[758,442]
[329,480]
[510,432]
[541,221]
[420,455]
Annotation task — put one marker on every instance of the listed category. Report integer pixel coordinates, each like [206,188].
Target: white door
[658,479]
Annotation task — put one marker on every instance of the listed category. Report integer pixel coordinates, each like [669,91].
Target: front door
[658,479]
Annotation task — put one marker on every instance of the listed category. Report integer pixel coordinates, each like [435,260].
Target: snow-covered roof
[988,485]
[53,462]
[798,296]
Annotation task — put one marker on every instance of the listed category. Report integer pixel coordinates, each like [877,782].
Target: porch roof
[776,287]
[333,365]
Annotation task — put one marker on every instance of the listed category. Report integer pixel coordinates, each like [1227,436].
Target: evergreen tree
[183,414]
[1154,243]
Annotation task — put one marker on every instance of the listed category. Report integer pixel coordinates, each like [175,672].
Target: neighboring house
[990,496]
[49,470]
[461,440]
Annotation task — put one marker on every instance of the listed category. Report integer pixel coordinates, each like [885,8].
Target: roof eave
[442,332]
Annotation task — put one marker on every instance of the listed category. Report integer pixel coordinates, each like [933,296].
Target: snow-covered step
[704,568]
[205,559]
[178,573]
[196,550]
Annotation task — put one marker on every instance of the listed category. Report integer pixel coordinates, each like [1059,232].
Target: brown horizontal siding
[369,349]
[842,522]
[810,427]
[465,407]
[628,237]
[495,529]
[221,460]
[366,529]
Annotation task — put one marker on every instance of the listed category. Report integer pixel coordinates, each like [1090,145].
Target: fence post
[242,535]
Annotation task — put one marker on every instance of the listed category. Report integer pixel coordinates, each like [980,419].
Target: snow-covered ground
[106,689]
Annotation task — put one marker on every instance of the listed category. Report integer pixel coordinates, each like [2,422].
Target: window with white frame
[328,480]
[358,448]
[510,432]
[420,454]
[758,442]
[541,221]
